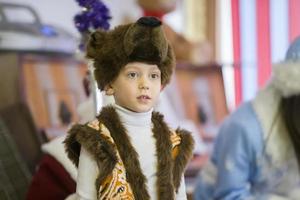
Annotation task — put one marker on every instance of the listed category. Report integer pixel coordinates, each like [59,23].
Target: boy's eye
[132,75]
[155,76]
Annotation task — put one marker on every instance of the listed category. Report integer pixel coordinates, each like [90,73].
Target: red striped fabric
[236,51]
[153,13]
[263,41]
[294,18]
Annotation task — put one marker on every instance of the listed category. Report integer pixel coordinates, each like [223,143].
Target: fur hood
[267,108]
[286,78]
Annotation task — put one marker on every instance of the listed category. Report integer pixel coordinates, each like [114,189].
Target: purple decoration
[85,3]
[96,15]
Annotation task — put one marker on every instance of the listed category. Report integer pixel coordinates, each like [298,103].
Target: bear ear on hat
[95,43]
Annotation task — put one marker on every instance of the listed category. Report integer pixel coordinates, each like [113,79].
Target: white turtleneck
[139,130]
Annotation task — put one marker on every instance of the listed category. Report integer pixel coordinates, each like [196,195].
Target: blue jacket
[240,168]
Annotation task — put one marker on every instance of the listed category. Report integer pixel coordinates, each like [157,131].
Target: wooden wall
[47,81]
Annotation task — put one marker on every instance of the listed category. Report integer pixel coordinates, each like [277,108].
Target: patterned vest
[120,176]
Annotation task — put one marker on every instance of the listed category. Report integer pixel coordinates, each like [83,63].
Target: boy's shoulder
[100,128]
[93,136]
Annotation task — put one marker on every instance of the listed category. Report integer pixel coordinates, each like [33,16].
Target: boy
[129,152]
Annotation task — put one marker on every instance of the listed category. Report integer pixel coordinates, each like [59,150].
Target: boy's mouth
[143,97]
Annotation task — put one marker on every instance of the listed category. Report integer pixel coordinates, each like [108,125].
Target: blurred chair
[19,122]
[14,174]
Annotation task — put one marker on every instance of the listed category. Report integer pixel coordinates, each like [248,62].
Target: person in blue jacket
[257,151]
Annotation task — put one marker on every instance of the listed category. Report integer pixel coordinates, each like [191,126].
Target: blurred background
[224,49]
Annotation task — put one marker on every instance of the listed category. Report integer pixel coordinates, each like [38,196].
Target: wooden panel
[34,93]
[211,25]
[203,95]
[48,84]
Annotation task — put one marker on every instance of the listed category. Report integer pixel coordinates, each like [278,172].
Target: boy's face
[137,87]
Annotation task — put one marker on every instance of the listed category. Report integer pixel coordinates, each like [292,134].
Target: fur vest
[120,175]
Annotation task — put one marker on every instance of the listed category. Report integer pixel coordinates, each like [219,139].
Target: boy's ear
[162,87]
[109,90]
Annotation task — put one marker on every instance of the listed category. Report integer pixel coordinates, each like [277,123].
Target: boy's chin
[140,109]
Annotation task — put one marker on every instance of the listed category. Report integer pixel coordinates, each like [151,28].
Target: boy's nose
[143,87]
[144,84]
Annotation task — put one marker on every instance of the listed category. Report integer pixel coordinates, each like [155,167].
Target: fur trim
[267,108]
[55,148]
[185,153]
[165,163]
[165,187]
[129,156]
[286,78]
[102,150]
[143,41]
[72,147]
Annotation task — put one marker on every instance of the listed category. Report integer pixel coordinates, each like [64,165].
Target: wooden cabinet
[51,85]
[203,95]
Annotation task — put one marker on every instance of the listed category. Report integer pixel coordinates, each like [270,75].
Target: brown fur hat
[142,41]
